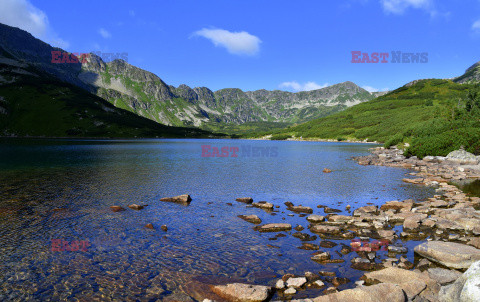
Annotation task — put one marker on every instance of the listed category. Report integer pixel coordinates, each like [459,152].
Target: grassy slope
[418,114]
[42,106]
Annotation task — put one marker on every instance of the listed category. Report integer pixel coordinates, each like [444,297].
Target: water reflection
[62,189]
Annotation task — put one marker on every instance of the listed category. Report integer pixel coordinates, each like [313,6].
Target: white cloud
[399,6]
[476,26]
[22,14]
[131,13]
[372,89]
[239,43]
[104,33]
[295,86]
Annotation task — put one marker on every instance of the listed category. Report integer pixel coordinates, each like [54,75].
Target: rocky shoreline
[448,223]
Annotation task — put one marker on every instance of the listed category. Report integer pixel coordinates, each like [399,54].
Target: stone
[149,226]
[340,218]
[318,283]
[274,227]
[462,157]
[328,210]
[247,200]
[304,236]
[365,210]
[475,242]
[301,209]
[263,205]
[465,288]
[396,206]
[184,199]
[315,218]
[298,228]
[290,291]
[411,282]
[280,284]
[326,170]
[117,208]
[164,227]
[320,257]
[413,222]
[327,244]
[309,246]
[296,282]
[243,292]
[443,276]
[135,207]
[251,218]
[450,254]
[325,229]
[380,292]
[397,249]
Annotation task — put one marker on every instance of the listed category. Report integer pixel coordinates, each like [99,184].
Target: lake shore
[448,223]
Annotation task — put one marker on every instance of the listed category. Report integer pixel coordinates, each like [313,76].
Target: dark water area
[61,191]
[471,188]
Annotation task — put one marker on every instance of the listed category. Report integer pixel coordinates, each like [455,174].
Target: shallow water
[62,189]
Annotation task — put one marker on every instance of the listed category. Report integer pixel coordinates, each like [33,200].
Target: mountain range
[145,94]
[84,95]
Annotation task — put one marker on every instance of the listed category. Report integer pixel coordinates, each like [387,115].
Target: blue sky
[271,44]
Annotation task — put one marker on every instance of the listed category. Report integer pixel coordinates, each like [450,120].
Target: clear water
[62,189]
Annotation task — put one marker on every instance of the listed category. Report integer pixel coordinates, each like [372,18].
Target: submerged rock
[315,218]
[326,170]
[117,208]
[274,227]
[263,205]
[182,199]
[243,292]
[135,207]
[251,218]
[301,209]
[149,226]
[450,254]
[247,200]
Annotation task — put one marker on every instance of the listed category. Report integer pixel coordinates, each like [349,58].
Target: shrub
[280,137]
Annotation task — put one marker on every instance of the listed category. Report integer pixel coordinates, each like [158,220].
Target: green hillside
[33,103]
[433,116]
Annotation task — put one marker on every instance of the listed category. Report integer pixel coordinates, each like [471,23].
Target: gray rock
[315,218]
[462,157]
[443,276]
[296,282]
[243,292]
[380,292]
[450,254]
[290,291]
[465,289]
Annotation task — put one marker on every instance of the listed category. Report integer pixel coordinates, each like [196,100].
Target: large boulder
[411,282]
[380,292]
[450,254]
[465,289]
[240,292]
[462,157]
